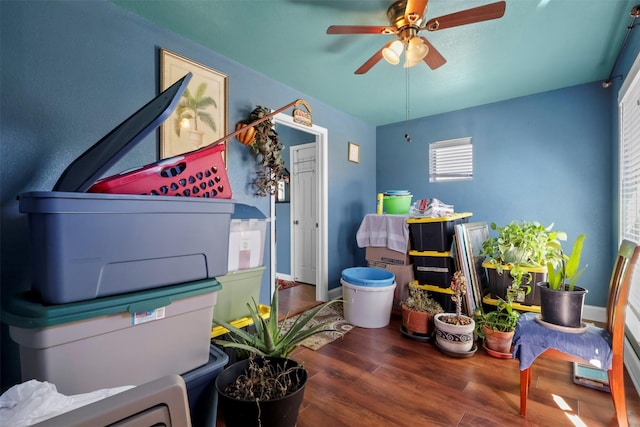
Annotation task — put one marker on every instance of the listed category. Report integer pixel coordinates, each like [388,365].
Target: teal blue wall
[73,70]
[545,157]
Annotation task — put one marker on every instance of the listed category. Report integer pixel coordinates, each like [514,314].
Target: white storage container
[127,339]
[246,238]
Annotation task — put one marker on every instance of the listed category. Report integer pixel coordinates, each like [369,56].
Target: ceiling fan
[407,19]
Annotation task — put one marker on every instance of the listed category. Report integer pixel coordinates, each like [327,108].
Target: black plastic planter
[500,284]
[281,412]
[563,308]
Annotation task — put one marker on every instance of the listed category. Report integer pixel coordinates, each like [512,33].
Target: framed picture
[354,152]
[201,115]
[475,233]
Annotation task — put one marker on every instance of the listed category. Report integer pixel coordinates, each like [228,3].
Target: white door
[304,222]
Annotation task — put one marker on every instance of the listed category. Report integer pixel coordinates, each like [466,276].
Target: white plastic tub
[367,306]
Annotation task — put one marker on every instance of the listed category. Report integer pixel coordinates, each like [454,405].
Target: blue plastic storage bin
[368,276]
[203,401]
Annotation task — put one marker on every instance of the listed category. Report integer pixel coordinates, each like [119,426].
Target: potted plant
[454,332]
[561,301]
[265,388]
[418,310]
[523,249]
[497,327]
[266,146]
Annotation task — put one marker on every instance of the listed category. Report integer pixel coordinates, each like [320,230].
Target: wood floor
[378,377]
[296,300]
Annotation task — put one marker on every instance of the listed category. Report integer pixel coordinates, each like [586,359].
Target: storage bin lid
[24,310]
[97,160]
[368,276]
[243,211]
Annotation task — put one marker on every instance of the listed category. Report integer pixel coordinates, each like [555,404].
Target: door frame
[321,139]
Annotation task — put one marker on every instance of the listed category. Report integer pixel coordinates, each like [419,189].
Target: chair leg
[525,382]
[616,384]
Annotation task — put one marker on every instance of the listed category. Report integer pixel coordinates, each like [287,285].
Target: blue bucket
[368,276]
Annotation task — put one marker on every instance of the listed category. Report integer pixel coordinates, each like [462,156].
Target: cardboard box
[403,276]
[387,256]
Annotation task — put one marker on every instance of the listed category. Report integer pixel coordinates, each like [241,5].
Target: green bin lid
[25,310]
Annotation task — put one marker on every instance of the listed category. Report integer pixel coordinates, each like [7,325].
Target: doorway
[318,137]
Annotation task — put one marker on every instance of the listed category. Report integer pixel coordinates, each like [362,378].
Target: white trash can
[368,296]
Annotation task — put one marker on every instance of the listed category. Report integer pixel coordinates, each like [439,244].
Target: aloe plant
[566,276]
[270,338]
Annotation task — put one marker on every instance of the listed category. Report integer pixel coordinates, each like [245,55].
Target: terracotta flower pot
[417,322]
[497,340]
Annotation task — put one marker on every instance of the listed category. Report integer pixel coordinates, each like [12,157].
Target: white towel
[391,231]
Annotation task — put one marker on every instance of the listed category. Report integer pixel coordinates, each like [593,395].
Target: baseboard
[594,313]
[286,277]
[335,293]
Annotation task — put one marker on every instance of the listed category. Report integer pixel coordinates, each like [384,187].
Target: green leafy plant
[567,274]
[193,106]
[502,319]
[520,245]
[266,147]
[270,338]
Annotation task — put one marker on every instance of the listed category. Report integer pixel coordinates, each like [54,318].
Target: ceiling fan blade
[469,16]
[415,8]
[360,29]
[372,61]
[433,59]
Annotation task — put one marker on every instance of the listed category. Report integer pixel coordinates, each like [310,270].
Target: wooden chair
[619,285]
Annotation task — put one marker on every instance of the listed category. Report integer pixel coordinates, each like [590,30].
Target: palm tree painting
[193,107]
[200,117]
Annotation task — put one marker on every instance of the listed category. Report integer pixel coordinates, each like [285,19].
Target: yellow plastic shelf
[451,217]
[429,253]
[517,306]
[433,288]
[265,312]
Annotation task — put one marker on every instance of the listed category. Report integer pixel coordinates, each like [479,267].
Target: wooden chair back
[619,287]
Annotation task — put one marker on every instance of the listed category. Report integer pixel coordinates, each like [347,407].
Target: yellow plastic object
[516,306]
[265,312]
[451,217]
[429,253]
[433,288]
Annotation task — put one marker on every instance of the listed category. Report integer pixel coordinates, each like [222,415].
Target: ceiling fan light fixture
[416,51]
[392,52]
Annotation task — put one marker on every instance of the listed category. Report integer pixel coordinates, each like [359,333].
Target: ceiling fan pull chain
[406,135]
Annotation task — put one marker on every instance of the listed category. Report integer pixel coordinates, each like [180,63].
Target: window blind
[629,186]
[451,160]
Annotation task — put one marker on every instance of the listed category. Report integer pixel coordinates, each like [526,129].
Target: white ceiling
[539,45]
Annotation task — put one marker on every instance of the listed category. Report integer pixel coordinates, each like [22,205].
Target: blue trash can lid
[368,276]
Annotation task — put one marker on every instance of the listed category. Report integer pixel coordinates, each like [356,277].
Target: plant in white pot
[454,331]
[561,300]
[266,388]
[517,258]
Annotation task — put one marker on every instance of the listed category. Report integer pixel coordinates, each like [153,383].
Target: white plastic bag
[33,401]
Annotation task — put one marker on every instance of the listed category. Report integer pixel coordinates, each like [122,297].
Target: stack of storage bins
[241,284]
[123,285]
[433,263]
